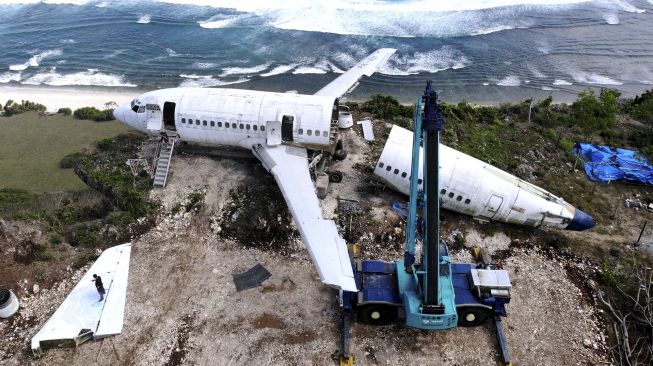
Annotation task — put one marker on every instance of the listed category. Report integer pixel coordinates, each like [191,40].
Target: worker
[99,286]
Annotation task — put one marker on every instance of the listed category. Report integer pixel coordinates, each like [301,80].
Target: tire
[339,154]
[472,316]
[376,314]
[335,177]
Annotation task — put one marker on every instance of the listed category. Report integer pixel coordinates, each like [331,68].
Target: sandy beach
[60,97]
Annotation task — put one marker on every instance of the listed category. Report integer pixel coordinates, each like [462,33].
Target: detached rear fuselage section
[473,187]
[235,117]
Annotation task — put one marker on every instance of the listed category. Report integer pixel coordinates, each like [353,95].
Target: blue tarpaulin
[605,163]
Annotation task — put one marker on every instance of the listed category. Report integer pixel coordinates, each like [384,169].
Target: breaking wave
[201,81]
[203,65]
[510,80]
[8,77]
[244,70]
[281,69]
[561,82]
[144,19]
[611,18]
[431,62]
[592,78]
[36,59]
[219,21]
[86,78]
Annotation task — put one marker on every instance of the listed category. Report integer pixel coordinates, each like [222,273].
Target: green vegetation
[65,111]
[38,143]
[386,107]
[94,114]
[595,115]
[12,108]
[642,107]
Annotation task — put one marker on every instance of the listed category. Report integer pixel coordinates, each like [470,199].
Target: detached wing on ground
[81,316]
[289,166]
[367,66]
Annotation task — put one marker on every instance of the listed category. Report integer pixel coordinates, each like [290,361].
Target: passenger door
[492,206]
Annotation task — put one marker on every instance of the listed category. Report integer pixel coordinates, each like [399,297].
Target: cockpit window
[135,108]
[141,109]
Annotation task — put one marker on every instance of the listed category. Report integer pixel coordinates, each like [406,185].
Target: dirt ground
[182,306]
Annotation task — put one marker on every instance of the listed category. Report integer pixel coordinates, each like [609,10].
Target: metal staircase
[162,159]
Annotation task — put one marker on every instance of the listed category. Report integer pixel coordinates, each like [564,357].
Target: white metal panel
[327,249]
[368,132]
[367,66]
[81,308]
[113,312]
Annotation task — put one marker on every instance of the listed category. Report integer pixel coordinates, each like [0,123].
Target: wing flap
[367,67]
[327,249]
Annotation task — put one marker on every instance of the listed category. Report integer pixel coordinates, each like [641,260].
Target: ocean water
[478,50]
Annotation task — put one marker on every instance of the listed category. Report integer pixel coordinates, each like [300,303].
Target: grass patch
[30,162]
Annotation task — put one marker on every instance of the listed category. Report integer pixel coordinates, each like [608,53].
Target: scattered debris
[368,132]
[254,277]
[633,203]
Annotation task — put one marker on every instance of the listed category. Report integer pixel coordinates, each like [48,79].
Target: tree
[595,115]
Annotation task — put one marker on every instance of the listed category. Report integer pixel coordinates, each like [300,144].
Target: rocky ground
[182,306]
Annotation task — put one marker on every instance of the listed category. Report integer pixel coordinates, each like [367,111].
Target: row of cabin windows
[245,126]
[419,181]
[310,132]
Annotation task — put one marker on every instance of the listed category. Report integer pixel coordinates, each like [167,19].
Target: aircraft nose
[119,114]
[581,221]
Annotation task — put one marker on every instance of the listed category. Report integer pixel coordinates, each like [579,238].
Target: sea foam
[145,19]
[244,70]
[88,78]
[7,77]
[36,59]
[430,62]
[200,81]
[593,78]
[510,80]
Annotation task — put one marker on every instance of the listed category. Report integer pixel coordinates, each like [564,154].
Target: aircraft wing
[367,67]
[289,166]
[81,316]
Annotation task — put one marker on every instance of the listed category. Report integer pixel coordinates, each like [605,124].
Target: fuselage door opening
[169,116]
[287,126]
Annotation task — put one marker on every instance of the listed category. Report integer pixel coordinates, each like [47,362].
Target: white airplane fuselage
[232,117]
[478,189]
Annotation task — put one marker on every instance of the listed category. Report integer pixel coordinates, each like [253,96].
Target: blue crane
[434,293]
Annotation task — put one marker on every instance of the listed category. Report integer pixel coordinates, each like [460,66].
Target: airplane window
[183,120]
[135,109]
[226,124]
[219,124]
[459,198]
[141,109]
[396,171]
[309,132]
[242,126]
[467,201]
[234,126]
[212,123]
[388,168]
[255,127]
[247,127]
[419,181]
[301,131]
[443,191]
[451,194]
[317,133]
[381,165]
[204,122]
[262,128]
[197,122]
[325,133]
[403,175]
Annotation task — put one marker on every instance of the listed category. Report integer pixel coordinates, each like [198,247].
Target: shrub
[94,114]
[566,145]
[56,239]
[593,114]
[642,107]
[68,161]
[549,133]
[385,107]
[13,108]
[65,111]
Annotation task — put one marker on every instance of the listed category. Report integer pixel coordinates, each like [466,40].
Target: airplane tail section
[367,67]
